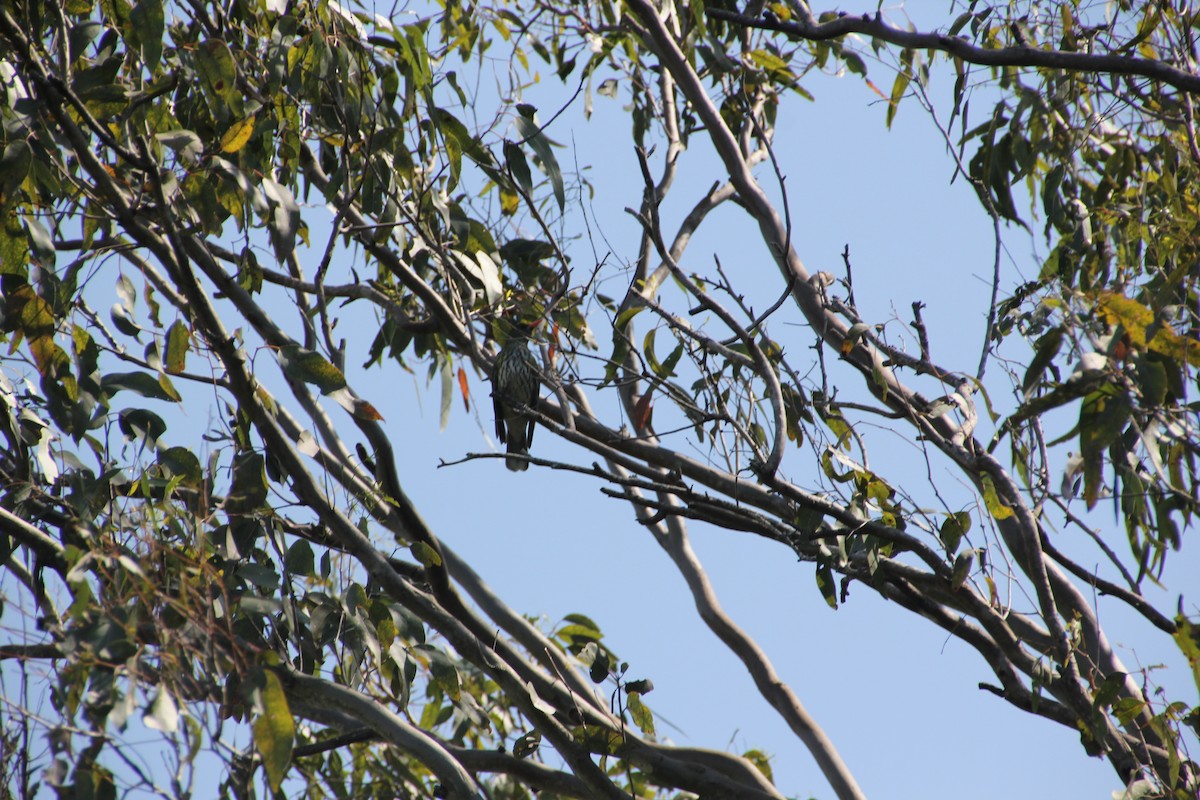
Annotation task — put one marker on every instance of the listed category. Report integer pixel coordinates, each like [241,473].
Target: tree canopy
[203,520]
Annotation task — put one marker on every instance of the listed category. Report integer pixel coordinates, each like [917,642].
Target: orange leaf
[875,89]
[364,410]
[1120,349]
[642,412]
[462,384]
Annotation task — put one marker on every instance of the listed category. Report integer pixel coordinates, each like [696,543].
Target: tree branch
[875,27]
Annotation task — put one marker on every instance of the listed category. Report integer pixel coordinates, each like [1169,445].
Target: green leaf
[261,575]
[1106,693]
[598,669]
[854,63]
[1102,418]
[899,87]
[1187,636]
[123,322]
[425,554]
[761,762]
[257,606]
[587,654]
[672,359]
[518,167]
[140,424]
[625,316]
[299,559]
[218,70]
[446,370]
[309,366]
[699,15]
[250,273]
[459,142]
[1128,709]
[831,471]
[186,143]
[179,338]
[41,243]
[651,358]
[284,222]
[837,424]
[1152,381]
[147,24]
[168,388]
[581,625]
[86,351]
[764,59]
[248,484]
[126,292]
[14,167]
[14,247]
[1139,322]
[533,135]
[1044,351]
[953,529]
[962,568]
[826,585]
[274,731]
[485,270]
[142,383]
[183,464]
[640,713]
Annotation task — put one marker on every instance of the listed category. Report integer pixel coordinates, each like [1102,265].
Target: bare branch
[1023,56]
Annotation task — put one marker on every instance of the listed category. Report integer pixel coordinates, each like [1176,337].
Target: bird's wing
[498,410]
[532,403]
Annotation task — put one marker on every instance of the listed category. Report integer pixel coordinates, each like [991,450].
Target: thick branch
[957,46]
[48,551]
[762,671]
[412,740]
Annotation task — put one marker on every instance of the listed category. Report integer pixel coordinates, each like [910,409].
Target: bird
[515,384]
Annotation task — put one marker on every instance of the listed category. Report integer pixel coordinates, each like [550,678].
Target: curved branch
[674,540]
[412,740]
[762,671]
[875,27]
[1058,598]
[526,770]
[47,549]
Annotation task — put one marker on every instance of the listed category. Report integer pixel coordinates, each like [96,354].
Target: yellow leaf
[853,335]
[1137,320]
[238,134]
[992,500]
[274,731]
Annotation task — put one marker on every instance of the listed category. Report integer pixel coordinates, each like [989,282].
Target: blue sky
[896,696]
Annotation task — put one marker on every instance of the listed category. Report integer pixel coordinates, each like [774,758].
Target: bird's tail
[518,445]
